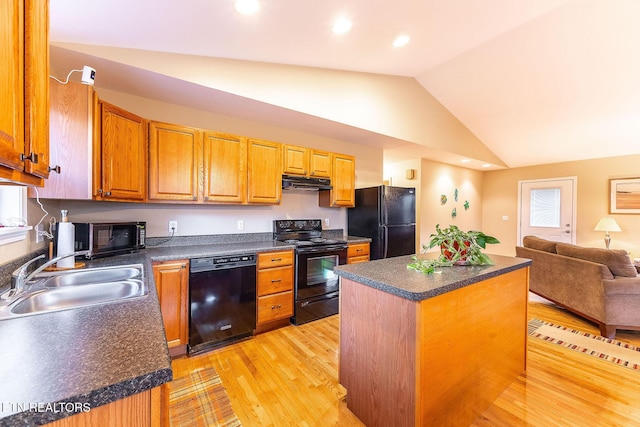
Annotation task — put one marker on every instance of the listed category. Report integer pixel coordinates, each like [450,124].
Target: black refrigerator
[387,215]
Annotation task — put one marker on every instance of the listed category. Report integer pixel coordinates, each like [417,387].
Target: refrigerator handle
[385,248]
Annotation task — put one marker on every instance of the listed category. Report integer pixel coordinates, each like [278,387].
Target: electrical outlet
[173,227]
[39,235]
[326,222]
[240,224]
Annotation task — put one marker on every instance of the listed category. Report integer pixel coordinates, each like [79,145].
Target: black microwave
[103,239]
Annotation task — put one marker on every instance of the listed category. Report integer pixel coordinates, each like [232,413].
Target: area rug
[200,400]
[593,345]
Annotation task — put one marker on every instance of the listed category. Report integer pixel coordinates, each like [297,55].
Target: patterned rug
[200,400]
[593,345]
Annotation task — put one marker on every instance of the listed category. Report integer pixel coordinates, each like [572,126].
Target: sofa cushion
[617,260]
[534,242]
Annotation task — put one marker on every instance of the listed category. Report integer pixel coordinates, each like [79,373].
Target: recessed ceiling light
[486,165]
[465,160]
[247,7]
[342,25]
[401,40]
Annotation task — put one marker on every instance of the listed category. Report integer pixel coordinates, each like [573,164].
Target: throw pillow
[534,242]
[617,260]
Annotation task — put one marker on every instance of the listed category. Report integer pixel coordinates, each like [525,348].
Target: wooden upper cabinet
[24,81]
[12,84]
[225,168]
[70,133]
[123,155]
[306,162]
[175,159]
[320,164]
[36,82]
[296,160]
[265,172]
[342,181]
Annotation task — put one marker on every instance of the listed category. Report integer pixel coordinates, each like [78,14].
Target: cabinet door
[175,158]
[320,164]
[70,137]
[124,155]
[296,160]
[36,83]
[343,183]
[12,83]
[172,283]
[225,168]
[265,172]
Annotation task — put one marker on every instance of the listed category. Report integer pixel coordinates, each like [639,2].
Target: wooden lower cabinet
[436,362]
[357,252]
[172,283]
[274,289]
[147,408]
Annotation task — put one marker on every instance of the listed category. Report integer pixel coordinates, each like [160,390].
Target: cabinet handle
[276,280]
[55,169]
[33,157]
[276,259]
[273,307]
[107,193]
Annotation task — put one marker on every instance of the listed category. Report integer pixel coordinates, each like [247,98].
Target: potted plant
[457,247]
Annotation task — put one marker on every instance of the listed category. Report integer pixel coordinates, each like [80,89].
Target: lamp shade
[607,224]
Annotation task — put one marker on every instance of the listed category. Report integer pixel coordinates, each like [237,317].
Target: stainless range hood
[293,182]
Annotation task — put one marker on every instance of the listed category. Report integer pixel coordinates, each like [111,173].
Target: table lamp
[607,224]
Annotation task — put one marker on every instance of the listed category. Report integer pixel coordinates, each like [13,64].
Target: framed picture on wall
[625,196]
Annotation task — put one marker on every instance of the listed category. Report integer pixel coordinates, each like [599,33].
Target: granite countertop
[391,275]
[100,354]
[93,355]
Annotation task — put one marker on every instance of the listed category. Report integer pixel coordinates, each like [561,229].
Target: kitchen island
[423,350]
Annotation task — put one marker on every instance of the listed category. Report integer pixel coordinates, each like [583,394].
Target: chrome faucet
[19,277]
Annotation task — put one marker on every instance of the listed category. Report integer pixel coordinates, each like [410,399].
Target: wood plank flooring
[290,377]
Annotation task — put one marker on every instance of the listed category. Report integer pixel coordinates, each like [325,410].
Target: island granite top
[391,275]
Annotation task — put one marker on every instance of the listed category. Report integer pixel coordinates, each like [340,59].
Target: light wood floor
[290,377]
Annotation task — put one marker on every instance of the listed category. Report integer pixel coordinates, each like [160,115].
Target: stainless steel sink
[70,289]
[84,277]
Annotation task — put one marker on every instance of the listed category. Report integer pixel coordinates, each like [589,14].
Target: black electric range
[316,287]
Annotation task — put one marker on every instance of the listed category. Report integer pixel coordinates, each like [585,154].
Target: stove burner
[302,233]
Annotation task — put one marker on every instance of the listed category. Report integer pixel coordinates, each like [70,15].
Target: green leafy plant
[457,247]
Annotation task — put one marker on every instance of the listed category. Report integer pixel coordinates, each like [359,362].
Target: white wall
[203,219]
[434,179]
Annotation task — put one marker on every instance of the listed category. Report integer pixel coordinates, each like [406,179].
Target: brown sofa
[601,285]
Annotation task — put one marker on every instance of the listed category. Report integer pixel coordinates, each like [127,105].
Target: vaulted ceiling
[533,81]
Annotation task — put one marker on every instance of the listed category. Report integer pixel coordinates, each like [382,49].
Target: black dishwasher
[222,300]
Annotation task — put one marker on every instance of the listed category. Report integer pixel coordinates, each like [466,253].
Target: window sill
[13,234]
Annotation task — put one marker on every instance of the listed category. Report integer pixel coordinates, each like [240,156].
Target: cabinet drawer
[356,259]
[274,259]
[358,250]
[275,280]
[275,307]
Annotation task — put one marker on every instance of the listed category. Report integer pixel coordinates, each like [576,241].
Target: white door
[547,209]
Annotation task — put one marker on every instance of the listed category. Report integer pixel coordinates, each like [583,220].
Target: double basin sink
[69,289]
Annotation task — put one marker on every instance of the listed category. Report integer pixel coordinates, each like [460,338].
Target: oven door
[314,270]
